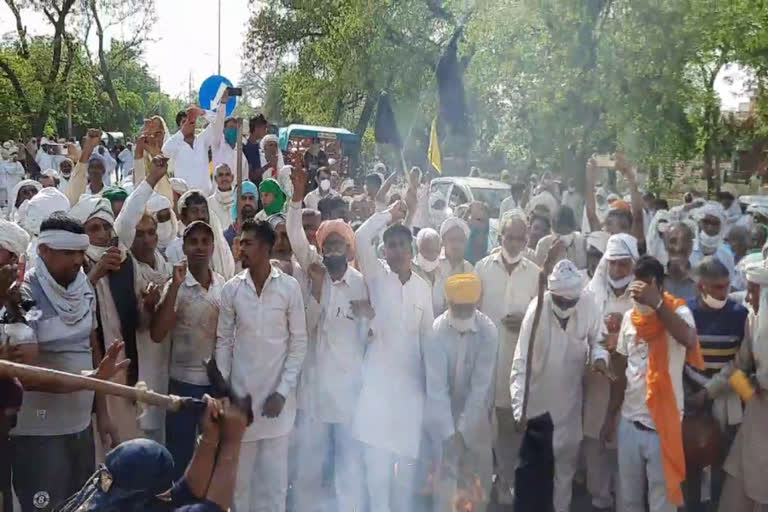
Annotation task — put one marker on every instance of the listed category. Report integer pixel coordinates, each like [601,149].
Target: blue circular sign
[211,90]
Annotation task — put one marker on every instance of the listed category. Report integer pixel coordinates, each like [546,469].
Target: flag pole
[239,165]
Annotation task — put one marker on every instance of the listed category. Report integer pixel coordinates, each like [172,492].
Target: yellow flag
[434,149]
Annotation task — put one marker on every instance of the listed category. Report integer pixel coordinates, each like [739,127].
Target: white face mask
[618,284]
[165,233]
[425,264]
[713,302]
[709,243]
[461,324]
[511,260]
[642,309]
[567,239]
[325,185]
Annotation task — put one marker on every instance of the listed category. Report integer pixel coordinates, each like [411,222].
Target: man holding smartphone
[189,152]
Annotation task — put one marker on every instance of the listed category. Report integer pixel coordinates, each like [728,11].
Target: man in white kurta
[510,282]
[332,373]
[389,415]
[569,325]
[610,287]
[459,360]
[260,348]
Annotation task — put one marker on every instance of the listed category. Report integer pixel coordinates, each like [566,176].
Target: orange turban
[620,204]
[337,226]
[463,289]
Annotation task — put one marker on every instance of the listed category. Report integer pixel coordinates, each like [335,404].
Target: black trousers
[49,469]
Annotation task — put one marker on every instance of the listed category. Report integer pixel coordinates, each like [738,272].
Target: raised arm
[638,227]
[381,195]
[79,179]
[369,264]
[304,252]
[165,317]
[589,197]
[136,203]
[214,131]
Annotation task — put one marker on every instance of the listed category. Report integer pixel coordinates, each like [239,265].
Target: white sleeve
[369,263]
[438,417]
[517,375]
[297,343]
[130,215]
[304,252]
[225,331]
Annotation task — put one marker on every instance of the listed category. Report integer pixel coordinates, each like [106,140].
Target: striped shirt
[720,333]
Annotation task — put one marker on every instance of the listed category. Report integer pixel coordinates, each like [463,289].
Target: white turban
[13,238]
[51,173]
[712,208]
[32,213]
[598,240]
[659,224]
[758,209]
[93,207]
[14,216]
[426,234]
[758,273]
[276,219]
[158,202]
[621,246]
[565,280]
[178,185]
[454,222]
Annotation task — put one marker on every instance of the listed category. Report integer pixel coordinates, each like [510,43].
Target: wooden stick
[53,378]
[239,164]
[531,342]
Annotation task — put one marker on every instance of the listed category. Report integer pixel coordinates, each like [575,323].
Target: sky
[184,40]
[183,49]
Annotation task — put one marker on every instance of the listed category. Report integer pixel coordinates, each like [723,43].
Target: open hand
[111,364]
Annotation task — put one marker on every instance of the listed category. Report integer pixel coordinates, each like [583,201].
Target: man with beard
[223,198]
[248,200]
[52,446]
[189,311]
[459,360]
[509,281]
[610,287]
[570,326]
[679,244]
[332,373]
[711,221]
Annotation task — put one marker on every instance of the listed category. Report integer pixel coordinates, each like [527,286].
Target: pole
[218,67]
[239,164]
[53,378]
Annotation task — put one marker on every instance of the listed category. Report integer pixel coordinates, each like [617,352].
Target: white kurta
[559,361]
[391,402]
[505,294]
[261,341]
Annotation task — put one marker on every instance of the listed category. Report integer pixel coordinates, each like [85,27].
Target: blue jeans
[181,427]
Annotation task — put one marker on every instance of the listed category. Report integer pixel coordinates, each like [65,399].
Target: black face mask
[335,263]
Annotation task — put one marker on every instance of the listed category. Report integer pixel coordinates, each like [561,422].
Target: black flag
[453,109]
[386,127]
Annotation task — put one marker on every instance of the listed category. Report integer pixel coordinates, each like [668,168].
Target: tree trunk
[708,170]
[106,74]
[366,114]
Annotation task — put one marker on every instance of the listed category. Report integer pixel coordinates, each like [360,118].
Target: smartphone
[114,241]
[235,91]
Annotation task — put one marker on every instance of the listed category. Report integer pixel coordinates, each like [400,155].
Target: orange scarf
[661,395]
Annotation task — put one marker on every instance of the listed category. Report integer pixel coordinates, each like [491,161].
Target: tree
[52,72]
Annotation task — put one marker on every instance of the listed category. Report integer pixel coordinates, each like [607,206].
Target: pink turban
[337,226]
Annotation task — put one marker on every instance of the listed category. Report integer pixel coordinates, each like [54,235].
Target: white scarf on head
[659,224]
[619,246]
